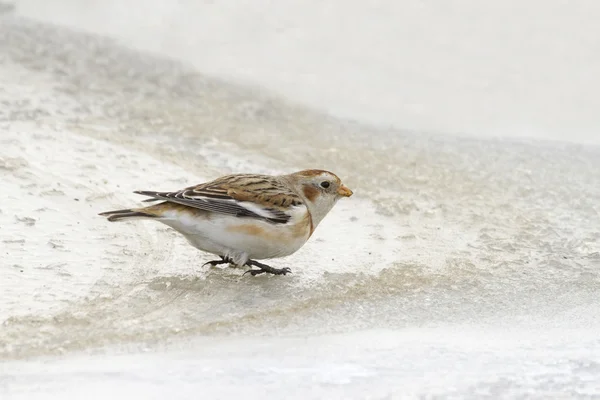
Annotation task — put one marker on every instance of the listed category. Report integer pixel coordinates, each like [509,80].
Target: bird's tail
[126,214]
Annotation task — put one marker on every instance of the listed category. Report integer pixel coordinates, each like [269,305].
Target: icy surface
[462,267]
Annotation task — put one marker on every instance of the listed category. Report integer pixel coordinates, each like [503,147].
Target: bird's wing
[254,196]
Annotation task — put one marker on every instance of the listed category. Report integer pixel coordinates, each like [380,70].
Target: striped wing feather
[253,196]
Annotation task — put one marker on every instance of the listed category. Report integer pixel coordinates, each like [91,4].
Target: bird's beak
[344,191]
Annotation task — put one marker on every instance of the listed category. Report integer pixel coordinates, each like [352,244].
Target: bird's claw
[211,263]
[284,271]
[265,269]
[254,272]
[214,263]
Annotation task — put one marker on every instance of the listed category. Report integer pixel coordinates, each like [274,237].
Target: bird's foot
[214,263]
[265,269]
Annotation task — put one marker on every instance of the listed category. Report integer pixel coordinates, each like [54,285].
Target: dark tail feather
[120,214]
[155,196]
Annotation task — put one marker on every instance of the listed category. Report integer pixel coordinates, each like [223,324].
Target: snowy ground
[463,267]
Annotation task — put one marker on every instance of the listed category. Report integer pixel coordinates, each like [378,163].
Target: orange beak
[344,191]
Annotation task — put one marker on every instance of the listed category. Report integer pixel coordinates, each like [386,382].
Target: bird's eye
[325,184]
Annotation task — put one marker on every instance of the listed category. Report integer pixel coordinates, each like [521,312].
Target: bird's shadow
[222,294]
[222,279]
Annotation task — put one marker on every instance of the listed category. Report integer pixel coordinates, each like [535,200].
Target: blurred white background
[502,68]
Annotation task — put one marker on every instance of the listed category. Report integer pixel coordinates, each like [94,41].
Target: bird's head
[320,190]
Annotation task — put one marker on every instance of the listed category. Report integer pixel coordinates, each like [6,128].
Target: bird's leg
[223,260]
[265,269]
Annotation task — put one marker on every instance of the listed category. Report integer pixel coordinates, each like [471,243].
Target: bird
[243,218]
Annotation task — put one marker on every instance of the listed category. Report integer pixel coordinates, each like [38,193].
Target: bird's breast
[228,234]
[262,239]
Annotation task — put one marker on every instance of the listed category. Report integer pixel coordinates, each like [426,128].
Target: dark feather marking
[120,214]
[214,196]
[224,195]
[223,207]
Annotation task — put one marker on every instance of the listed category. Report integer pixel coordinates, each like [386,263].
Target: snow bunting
[243,218]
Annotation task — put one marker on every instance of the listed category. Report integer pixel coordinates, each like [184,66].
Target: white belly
[240,239]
